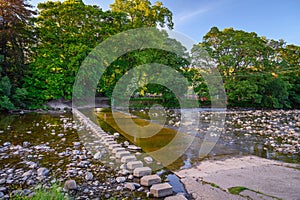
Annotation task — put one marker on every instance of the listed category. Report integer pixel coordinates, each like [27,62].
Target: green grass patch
[237,190]
[54,193]
[214,185]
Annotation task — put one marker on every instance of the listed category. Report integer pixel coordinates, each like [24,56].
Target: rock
[7,144]
[126,143]
[89,176]
[116,135]
[148,159]
[29,182]
[130,186]
[42,171]
[130,177]
[98,156]
[26,174]
[32,165]
[70,185]
[121,179]
[2,181]
[119,188]
[76,144]
[17,192]
[2,189]
[26,144]
[60,135]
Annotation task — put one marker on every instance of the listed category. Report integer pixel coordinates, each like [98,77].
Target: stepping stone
[161,190]
[108,143]
[150,180]
[113,146]
[126,159]
[142,171]
[133,148]
[118,149]
[134,164]
[121,154]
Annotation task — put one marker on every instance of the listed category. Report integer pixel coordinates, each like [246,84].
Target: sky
[274,19]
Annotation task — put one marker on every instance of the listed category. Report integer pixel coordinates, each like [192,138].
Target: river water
[271,134]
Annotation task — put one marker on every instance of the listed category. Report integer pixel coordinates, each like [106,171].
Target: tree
[16,36]
[141,13]
[66,32]
[249,65]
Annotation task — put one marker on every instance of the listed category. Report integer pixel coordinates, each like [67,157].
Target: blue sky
[275,19]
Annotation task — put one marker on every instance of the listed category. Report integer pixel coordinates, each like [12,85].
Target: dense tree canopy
[252,68]
[41,54]
[16,33]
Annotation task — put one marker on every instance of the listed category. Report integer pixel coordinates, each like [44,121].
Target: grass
[237,190]
[214,185]
[54,193]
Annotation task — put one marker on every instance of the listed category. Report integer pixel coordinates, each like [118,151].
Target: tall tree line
[40,53]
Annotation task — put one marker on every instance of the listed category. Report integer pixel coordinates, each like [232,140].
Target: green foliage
[53,193]
[256,72]
[141,13]
[237,190]
[5,103]
[5,86]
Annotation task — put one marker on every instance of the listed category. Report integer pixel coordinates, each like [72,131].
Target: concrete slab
[176,197]
[142,171]
[255,195]
[134,164]
[161,190]
[271,178]
[126,159]
[150,180]
[121,154]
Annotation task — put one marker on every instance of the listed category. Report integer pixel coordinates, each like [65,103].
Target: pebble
[148,159]
[130,186]
[121,179]
[42,171]
[70,185]
[89,176]
[7,144]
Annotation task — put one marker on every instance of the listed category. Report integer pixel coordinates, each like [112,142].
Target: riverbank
[252,177]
